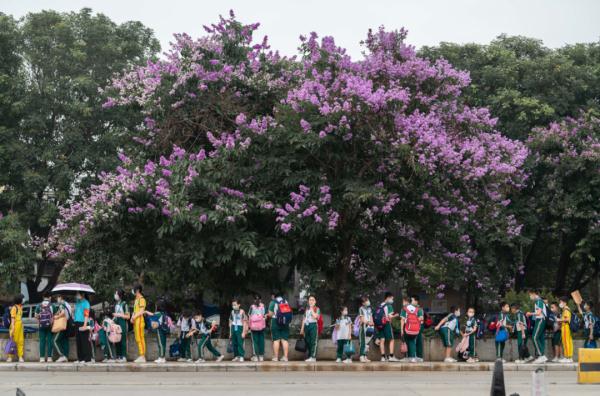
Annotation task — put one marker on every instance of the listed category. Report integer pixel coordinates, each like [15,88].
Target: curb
[277,367]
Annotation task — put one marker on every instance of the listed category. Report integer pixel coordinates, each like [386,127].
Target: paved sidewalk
[278,366]
[283,383]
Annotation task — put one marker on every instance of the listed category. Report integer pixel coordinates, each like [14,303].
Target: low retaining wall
[433,349]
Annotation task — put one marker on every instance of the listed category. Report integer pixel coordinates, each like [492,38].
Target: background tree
[57,140]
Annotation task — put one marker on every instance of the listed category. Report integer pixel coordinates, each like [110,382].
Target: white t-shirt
[344,329]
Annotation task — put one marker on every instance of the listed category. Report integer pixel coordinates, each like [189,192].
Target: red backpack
[319,323]
[413,324]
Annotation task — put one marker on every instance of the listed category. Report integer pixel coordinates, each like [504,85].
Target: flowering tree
[356,172]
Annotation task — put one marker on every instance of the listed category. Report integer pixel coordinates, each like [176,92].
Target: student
[414,300]
[82,336]
[366,324]
[137,319]
[162,330]
[44,313]
[520,328]
[565,330]
[409,324]
[471,332]
[204,330]
[61,339]
[121,317]
[185,324]
[16,330]
[556,334]
[343,326]
[108,348]
[447,328]
[257,315]
[503,324]
[589,321]
[309,328]
[92,328]
[539,315]
[386,334]
[238,328]
[279,333]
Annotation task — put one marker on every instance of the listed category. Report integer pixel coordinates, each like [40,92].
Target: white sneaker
[254,359]
[261,359]
[529,359]
[181,360]
[141,359]
[566,360]
[362,359]
[200,360]
[336,360]
[189,361]
[383,359]
[21,360]
[393,359]
[311,360]
[109,361]
[274,359]
[541,360]
[220,358]
[241,360]
[61,359]
[555,360]
[470,360]
[283,359]
[519,361]
[348,361]
[49,360]
[9,360]
[42,360]
[235,359]
[449,360]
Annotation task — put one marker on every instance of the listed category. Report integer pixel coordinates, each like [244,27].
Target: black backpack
[6,317]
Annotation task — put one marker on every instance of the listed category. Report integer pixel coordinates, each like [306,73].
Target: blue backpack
[481,325]
[6,318]
[596,329]
[174,349]
[575,323]
[550,320]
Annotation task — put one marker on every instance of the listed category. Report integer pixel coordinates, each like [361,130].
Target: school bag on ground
[413,325]
[380,319]
[45,317]
[257,321]
[284,314]
[6,318]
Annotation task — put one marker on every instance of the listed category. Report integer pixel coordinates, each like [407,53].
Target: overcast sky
[556,22]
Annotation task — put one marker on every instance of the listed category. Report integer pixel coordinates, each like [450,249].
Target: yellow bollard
[588,368]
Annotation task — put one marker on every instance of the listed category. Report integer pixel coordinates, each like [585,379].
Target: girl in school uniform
[310,329]
[365,314]
[343,326]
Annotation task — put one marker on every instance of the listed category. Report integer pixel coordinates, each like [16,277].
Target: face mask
[457,313]
[368,304]
[345,313]
[45,303]
[470,314]
[133,292]
[391,301]
[197,319]
[561,305]
[117,298]
[78,298]
[235,307]
[311,303]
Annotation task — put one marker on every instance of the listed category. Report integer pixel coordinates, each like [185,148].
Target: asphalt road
[282,383]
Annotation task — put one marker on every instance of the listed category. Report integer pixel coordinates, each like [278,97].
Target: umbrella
[73,288]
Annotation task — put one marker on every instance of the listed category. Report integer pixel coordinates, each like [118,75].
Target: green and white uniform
[236,328]
[121,307]
[470,326]
[539,327]
[161,335]
[503,321]
[45,334]
[311,333]
[411,340]
[108,348]
[61,339]
[589,320]
[258,337]
[344,325]
[205,333]
[419,340]
[448,330]
[185,325]
[278,332]
[521,330]
[367,314]
[386,333]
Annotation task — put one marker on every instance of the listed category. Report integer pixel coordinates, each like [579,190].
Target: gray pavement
[282,383]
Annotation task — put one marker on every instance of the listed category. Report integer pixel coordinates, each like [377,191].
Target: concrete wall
[433,349]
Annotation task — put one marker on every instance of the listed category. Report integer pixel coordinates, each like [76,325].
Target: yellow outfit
[565,333]
[139,324]
[16,323]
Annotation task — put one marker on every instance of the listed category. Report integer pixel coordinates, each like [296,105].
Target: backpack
[284,313]
[45,317]
[257,321]
[114,332]
[575,323]
[480,329]
[380,319]
[165,323]
[550,320]
[319,324]
[413,325]
[6,317]
[427,320]
[596,329]
[356,327]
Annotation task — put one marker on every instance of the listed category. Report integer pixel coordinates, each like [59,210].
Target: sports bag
[257,321]
[501,335]
[284,314]
[380,319]
[45,317]
[413,324]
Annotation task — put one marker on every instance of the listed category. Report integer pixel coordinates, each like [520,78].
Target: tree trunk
[564,262]
[520,279]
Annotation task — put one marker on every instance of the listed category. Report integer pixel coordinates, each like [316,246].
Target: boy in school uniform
[386,334]
[409,313]
[414,300]
[279,333]
[203,331]
[44,313]
[185,324]
[471,332]
[343,326]
[503,323]
[539,315]
[238,328]
[589,321]
[447,328]
[565,330]
[520,329]
[162,329]
[365,314]
[556,333]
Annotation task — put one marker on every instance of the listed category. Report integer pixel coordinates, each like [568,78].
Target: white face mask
[345,313]
[470,314]
[117,298]
[561,305]
[45,303]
